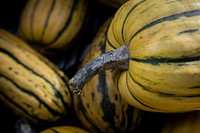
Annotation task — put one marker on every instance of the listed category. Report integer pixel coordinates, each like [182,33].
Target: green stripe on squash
[51,25]
[161,39]
[31,85]
[100,107]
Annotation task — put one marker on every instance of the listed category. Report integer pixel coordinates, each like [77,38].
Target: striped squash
[64,129]
[183,123]
[50,25]
[31,86]
[161,40]
[100,108]
[112,3]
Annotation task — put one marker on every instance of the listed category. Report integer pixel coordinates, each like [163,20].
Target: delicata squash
[153,47]
[100,107]
[51,25]
[30,85]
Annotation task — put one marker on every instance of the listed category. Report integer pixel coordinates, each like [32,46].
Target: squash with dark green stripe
[64,129]
[160,42]
[100,108]
[50,25]
[30,85]
[112,3]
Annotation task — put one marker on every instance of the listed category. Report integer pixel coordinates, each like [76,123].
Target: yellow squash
[160,40]
[163,39]
[100,107]
[50,25]
[30,85]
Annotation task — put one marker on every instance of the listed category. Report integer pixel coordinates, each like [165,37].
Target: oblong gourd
[31,86]
[161,42]
[64,129]
[50,25]
[100,107]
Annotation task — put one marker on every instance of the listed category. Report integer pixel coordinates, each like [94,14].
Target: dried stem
[116,59]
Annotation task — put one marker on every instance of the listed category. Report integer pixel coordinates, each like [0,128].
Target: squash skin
[31,86]
[51,25]
[164,67]
[64,129]
[99,107]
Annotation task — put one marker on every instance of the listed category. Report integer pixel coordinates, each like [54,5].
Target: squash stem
[117,59]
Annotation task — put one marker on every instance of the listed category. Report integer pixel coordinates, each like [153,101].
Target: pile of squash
[102,66]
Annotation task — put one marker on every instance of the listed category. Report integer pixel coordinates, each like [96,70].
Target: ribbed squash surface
[163,37]
[52,24]
[99,107]
[31,85]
